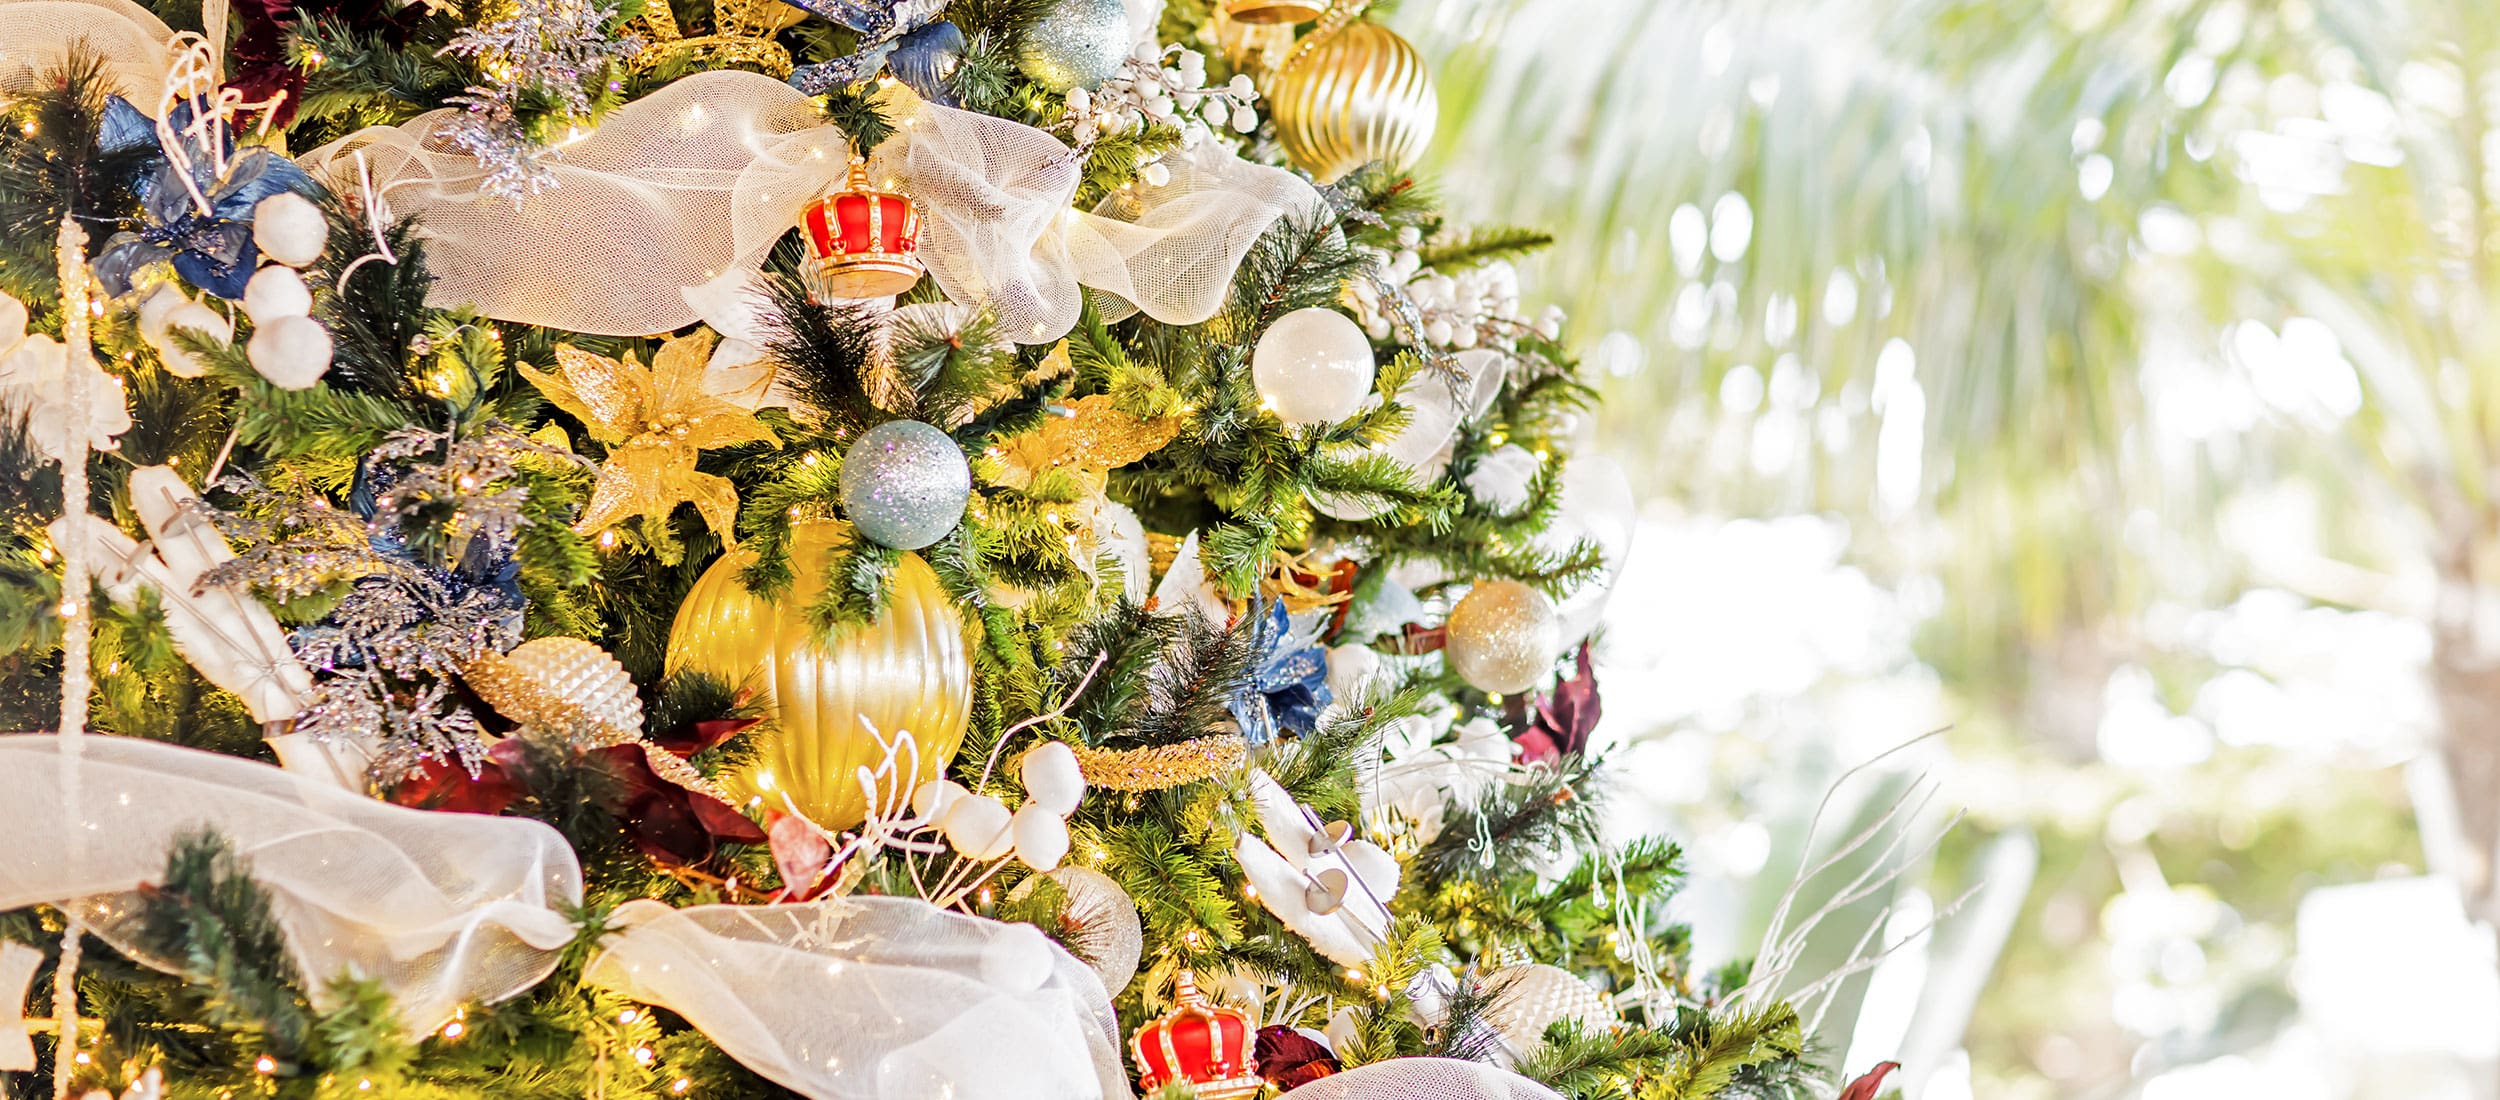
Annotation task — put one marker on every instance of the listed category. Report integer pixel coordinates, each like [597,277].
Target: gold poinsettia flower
[656,421]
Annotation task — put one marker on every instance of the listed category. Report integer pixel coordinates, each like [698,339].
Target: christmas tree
[851,548]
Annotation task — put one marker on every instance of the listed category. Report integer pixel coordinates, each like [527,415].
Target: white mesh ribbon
[1001,231]
[35,35]
[441,909]
[874,998]
[640,208]
[659,214]
[1423,1079]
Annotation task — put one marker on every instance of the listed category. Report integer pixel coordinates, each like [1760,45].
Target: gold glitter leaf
[1096,439]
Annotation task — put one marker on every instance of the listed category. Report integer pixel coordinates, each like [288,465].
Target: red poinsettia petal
[1864,1087]
[445,785]
[722,820]
[800,853]
[694,737]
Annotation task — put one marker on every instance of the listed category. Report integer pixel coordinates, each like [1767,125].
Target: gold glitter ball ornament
[830,699]
[1503,637]
[562,684]
[1530,997]
[1353,96]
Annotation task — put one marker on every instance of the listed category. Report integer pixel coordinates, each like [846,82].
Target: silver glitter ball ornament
[1503,637]
[1078,45]
[904,484]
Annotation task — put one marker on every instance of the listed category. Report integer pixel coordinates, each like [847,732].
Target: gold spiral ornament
[910,670]
[1352,96]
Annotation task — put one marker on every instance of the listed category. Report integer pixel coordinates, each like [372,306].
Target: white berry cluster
[1147,90]
[1478,307]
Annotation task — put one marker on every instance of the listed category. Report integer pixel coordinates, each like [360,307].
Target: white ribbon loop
[441,909]
[874,998]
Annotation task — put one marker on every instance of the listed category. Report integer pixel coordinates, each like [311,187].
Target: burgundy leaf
[1292,1059]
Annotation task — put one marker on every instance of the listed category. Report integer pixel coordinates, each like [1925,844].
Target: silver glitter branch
[550,47]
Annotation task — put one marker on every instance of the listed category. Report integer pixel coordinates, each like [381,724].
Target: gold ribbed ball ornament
[562,684]
[1274,11]
[1352,96]
[910,670]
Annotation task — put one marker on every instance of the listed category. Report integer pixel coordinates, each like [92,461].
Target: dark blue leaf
[123,256]
[926,58]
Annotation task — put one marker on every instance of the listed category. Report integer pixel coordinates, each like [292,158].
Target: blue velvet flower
[1291,685]
[902,35]
[212,251]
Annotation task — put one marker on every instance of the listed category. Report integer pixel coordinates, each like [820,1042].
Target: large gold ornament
[907,672]
[655,420]
[1351,96]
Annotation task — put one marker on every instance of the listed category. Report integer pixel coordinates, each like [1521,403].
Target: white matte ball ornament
[980,827]
[1052,777]
[276,291]
[291,352]
[289,229]
[198,318]
[1041,837]
[1313,366]
[1503,637]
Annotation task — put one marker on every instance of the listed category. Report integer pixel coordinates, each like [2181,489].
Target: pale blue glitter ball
[1078,45]
[904,484]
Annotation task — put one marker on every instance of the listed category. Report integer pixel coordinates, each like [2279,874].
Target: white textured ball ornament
[980,827]
[152,312]
[1503,637]
[276,291]
[1041,837]
[931,800]
[290,229]
[1053,778]
[193,316]
[291,352]
[1313,366]
[1017,958]
[1531,997]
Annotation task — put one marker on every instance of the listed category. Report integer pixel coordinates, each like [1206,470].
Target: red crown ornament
[861,242]
[1200,1042]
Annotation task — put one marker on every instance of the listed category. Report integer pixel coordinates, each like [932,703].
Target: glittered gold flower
[656,421]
